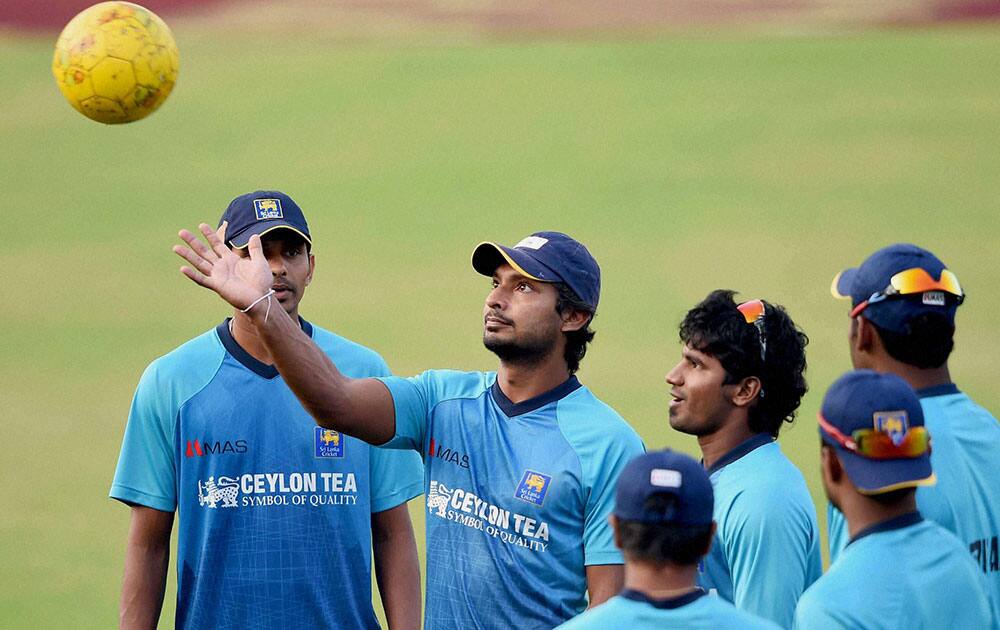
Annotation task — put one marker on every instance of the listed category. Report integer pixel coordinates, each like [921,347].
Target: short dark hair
[717,328]
[662,543]
[892,498]
[926,341]
[576,340]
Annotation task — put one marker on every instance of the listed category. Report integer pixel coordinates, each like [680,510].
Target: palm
[238,280]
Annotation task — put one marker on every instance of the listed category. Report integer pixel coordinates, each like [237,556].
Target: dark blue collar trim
[512,409]
[245,358]
[938,390]
[673,602]
[898,522]
[752,444]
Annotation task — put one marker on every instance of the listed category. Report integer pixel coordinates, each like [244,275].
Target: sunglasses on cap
[913,281]
[875,444]
[753,312]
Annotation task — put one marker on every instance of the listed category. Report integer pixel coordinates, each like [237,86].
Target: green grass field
[763,164]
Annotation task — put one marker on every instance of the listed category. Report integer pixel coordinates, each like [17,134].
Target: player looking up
[520,464]
[898,570]
[277,517]
[903,321]
[663,525]
[739,379]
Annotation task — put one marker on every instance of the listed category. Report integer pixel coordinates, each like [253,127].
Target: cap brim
[872,476]
[242,239]
[488,256]
[840,288]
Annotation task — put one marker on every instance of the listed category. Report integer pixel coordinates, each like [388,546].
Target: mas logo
[893,423]
[533,487]
[268,209]
[328,443]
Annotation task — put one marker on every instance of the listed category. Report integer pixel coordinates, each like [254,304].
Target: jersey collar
[245,358]
[898,522]
[512,409]
[938,390]
[673,602]
[743,449]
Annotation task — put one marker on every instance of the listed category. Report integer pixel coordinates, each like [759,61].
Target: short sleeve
[396,477]
[598,537]
[146,473]
[410,398]
[836,531]
[811,615]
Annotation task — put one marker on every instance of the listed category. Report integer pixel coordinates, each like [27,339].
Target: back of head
[775,354]
[663,507]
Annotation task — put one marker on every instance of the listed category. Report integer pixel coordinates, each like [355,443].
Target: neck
[520,382]
[246,335]
[733,432]
[918,378]
[862,512]
[660,582]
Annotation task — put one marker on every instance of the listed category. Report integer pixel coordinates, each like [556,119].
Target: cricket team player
[663,525]
[519,464]
[739,379]
[904,301]
[277,518]
[897,570]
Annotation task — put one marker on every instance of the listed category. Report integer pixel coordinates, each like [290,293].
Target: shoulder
[583,413]
[194,361]
[614,611]
[351,357]
[437,386]
[725,615]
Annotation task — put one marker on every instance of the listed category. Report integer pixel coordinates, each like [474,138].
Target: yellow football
[116,62]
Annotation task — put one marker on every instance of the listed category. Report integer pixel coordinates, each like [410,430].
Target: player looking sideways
[898,570]
[520,464]
[277,518]
[904,302]
[739,379]
[663,525]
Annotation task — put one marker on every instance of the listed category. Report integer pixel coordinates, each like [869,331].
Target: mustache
[492,314]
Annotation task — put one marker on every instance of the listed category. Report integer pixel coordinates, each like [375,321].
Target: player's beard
[526,351]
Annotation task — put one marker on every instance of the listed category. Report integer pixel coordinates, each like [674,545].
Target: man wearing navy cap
[276,516]
[520,464]
[904,301]
[663,525]
[898,570]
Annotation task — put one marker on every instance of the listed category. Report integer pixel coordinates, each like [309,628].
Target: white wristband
[266,296]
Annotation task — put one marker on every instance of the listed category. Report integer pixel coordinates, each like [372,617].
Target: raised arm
[362,408]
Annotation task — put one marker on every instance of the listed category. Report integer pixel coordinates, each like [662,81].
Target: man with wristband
[277,517]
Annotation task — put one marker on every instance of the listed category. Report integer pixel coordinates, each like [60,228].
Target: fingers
[254,248]
[213,239]
[221,232]
[194,275]
[198,246]
[198,261]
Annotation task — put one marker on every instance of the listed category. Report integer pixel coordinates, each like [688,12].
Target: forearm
[359,407]
[397,569]
[143,585]
[604,581]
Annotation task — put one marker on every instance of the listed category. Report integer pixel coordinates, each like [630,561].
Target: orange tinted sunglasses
[879,444]
[753,312]
[911,281]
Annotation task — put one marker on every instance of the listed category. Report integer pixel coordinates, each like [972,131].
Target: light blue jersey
[697,611]
[766,548]
[965,456]
[518,495]
[904,574]
[274,512]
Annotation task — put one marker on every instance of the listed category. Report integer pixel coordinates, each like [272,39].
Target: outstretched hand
[236,279]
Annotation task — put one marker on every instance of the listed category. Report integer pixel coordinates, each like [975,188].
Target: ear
[864,337]
[831,468]
[746,391]
[575,320]
[312,269]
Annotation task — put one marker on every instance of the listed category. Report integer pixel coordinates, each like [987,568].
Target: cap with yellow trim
[546,257]
[260,212]
[884,403]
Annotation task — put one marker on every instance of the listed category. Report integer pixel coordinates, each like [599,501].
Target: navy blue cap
[665,472]
[865,399]
[873,276]
[546,257]
[260,212]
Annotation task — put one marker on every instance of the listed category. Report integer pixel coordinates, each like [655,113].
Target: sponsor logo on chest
[202,448]
[450,455]
[267,489]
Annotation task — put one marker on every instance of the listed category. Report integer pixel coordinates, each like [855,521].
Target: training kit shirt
[695,611]
[766,548]
[274,512]
[903,573]
[965,457]
[518,495]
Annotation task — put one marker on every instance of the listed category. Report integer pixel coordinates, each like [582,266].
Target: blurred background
[692,144]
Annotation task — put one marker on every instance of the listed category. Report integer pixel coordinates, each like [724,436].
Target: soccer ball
[115,62]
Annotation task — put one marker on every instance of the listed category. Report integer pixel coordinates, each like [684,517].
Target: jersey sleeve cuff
[130,496]
[387,502]
[603,557]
